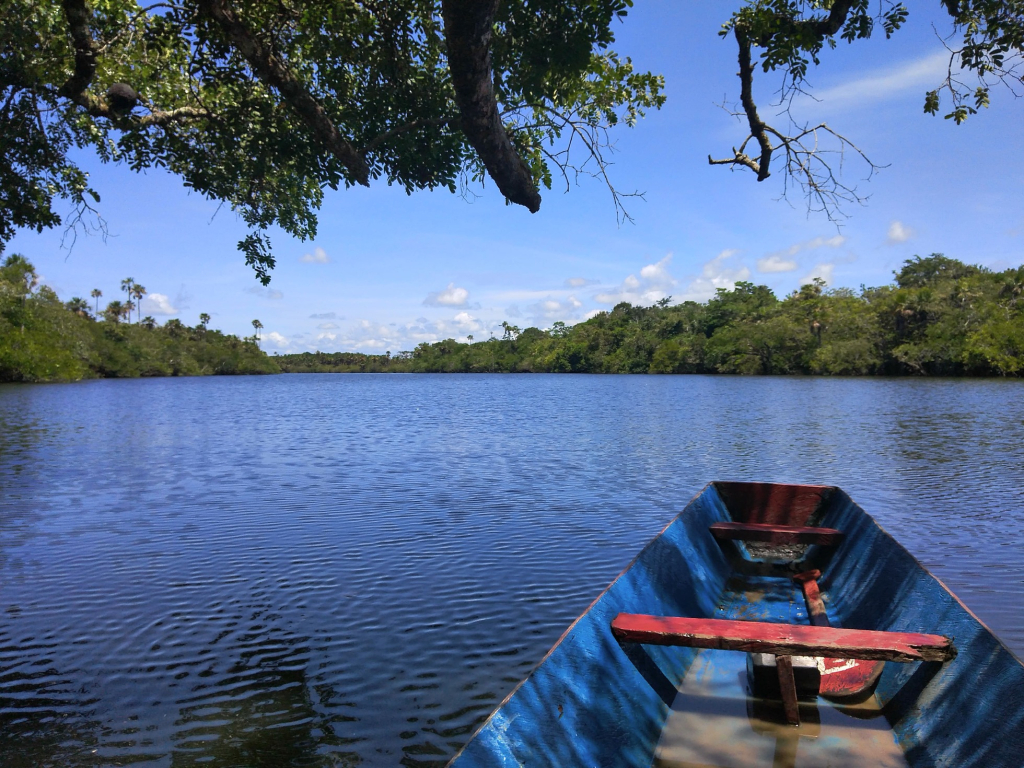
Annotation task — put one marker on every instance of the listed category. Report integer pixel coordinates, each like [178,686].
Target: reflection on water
[340,570]
[715,724]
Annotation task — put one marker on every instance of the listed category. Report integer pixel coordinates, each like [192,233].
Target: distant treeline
[43,339]
[941,318]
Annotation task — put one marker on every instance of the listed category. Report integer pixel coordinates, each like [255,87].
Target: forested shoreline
[941,318]
[44,339]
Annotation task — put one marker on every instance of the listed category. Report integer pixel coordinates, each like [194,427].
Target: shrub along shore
[43,339]
[940,318]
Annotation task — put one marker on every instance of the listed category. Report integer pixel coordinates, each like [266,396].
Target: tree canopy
[42,339]
[264,106]
[267,105]
[942,318]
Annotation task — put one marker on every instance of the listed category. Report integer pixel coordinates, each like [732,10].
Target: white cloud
[579,282]
[266,293]
[157,304]
[655,283]
[318,256]
[513,310]
[887,83]
[899,233]
[550,310]
[467,323]
[782,261]
[775,264]
[327,326]
[375,338]
[449,297]
[325,316]
[715,274]
[824,271]
[276,339]
[809,245]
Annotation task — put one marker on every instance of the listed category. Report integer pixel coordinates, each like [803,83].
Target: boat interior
[767,625]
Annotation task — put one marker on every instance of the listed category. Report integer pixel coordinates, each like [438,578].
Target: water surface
[334,570]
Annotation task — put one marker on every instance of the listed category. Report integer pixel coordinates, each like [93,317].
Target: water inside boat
[715,722]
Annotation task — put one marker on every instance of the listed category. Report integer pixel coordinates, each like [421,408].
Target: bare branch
[591,134]
[757,126]
[806,161]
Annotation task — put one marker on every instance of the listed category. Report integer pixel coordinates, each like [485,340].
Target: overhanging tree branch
[806,159]
[468,28]
[75,88]
[273,71]
[77,14]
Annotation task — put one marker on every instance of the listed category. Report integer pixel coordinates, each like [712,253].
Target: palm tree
[126,285]
[114,311]
[126,309]
[96,293]
[204,320]
[79,306]
[138,292]
[148,322]
[257,326]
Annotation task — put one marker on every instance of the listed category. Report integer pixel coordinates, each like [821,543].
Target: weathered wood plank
[776,534]
[781,639]
[787,686]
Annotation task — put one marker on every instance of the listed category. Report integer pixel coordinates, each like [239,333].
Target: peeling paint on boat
[594,702]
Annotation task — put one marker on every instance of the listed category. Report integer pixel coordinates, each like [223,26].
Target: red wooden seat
[781,639]
[784,641]
[776,534]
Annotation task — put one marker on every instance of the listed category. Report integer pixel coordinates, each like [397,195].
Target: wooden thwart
[776,534]
[781,639]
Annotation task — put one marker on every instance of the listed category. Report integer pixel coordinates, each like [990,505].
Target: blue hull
[595,702]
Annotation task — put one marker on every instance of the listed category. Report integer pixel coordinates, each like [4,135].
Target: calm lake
[335,570]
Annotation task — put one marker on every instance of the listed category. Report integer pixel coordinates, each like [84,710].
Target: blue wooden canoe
[653,692]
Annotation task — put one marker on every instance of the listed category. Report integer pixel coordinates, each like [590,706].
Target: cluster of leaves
[986,42]
[942,317]
[377,71]
[43,339]
[788,36]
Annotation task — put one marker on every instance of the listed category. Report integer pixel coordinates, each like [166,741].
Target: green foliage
[377,70]
[942,317]
[987,36]
[42,339]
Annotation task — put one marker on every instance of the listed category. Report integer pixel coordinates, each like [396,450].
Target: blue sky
[388,271]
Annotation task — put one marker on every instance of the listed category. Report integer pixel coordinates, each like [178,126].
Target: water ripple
[342,570]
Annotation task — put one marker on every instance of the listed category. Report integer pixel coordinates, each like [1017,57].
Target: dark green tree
[266,106]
